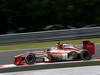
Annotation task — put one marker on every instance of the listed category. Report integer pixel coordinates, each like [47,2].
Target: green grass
[44,44]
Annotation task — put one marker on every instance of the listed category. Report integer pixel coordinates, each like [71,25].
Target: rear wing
[89,46]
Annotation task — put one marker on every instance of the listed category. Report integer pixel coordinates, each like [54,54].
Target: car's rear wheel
[30,58]
[85,55]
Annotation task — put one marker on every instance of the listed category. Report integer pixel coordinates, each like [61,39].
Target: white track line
[43,63]
[7,66]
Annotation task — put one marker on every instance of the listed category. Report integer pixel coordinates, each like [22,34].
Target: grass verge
[44,44]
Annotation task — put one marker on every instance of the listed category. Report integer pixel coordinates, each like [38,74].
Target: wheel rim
[30,59]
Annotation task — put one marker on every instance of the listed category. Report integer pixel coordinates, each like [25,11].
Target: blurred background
[19,16]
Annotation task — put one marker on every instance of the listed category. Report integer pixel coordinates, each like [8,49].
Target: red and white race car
[63,52]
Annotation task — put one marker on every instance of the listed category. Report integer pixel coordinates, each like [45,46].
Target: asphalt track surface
[7,57]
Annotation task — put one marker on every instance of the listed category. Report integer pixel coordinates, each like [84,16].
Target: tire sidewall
[33,59]
[85,55]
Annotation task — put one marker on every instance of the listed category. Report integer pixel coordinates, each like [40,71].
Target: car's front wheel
[30,58]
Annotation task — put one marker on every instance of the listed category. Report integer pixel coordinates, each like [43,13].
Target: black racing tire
[30,58]
[72,55]
[85,55]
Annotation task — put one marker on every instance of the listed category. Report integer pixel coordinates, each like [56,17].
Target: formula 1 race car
[62,52]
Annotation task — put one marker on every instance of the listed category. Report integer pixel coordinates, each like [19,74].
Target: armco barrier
[50,66]
[50,35]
